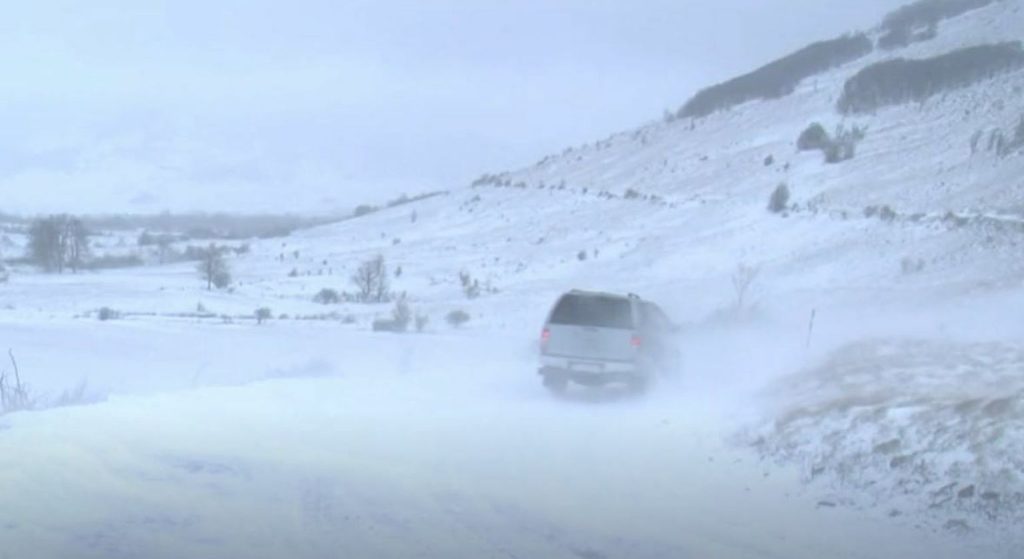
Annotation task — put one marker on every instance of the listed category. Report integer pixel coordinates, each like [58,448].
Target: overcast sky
[309,105]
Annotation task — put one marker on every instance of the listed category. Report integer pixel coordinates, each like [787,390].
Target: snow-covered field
[213,436]
[889,425]
[311,441]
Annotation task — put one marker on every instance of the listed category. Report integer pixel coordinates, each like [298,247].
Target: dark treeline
[919,21]
[779,78]
[210,225]
[901,80]
[194,225]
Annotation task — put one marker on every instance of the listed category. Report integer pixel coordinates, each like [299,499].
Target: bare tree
[58,242]
[44,244]
[76,243]
[213,268]
[371,281]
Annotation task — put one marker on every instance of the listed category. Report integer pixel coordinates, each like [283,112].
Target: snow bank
[926,428]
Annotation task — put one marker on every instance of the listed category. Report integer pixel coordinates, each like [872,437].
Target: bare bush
[742,278]
[843,145]
[14,395]
[470,286]
[77,396]
[327,296]
[401,314]
[421,322]
[263,314]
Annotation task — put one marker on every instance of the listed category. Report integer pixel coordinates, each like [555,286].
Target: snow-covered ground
[887,427]
[311,441]
[932,428]
[214,436]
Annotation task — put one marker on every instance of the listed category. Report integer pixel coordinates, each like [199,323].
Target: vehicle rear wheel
[556,384]
[639,385]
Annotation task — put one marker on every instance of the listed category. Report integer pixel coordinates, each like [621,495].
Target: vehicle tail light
[545,337]
[636,342]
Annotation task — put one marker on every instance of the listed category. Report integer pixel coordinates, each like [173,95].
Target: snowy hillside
[863,402]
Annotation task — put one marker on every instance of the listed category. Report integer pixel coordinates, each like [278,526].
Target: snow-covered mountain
[926,206]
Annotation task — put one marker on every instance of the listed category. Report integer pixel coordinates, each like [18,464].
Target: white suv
[596,339]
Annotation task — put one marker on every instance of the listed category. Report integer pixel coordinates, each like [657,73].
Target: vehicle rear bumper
[591,372]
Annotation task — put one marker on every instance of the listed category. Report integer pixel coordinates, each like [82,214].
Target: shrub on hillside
[902,80]
[779,200]
[107,313]
[470,286]
[843,145]
[364,209]
[813,137]
[457,318]
[263,314]
[910,265]
[779,78]
[839,147]
[401,314]
[884,213]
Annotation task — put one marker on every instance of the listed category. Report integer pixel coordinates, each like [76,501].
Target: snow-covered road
[312,440]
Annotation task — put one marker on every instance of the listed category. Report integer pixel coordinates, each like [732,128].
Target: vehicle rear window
[601,312]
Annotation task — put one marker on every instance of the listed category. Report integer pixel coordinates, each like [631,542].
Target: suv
[596,339]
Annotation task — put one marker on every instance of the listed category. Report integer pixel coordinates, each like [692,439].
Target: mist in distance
[319,106]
